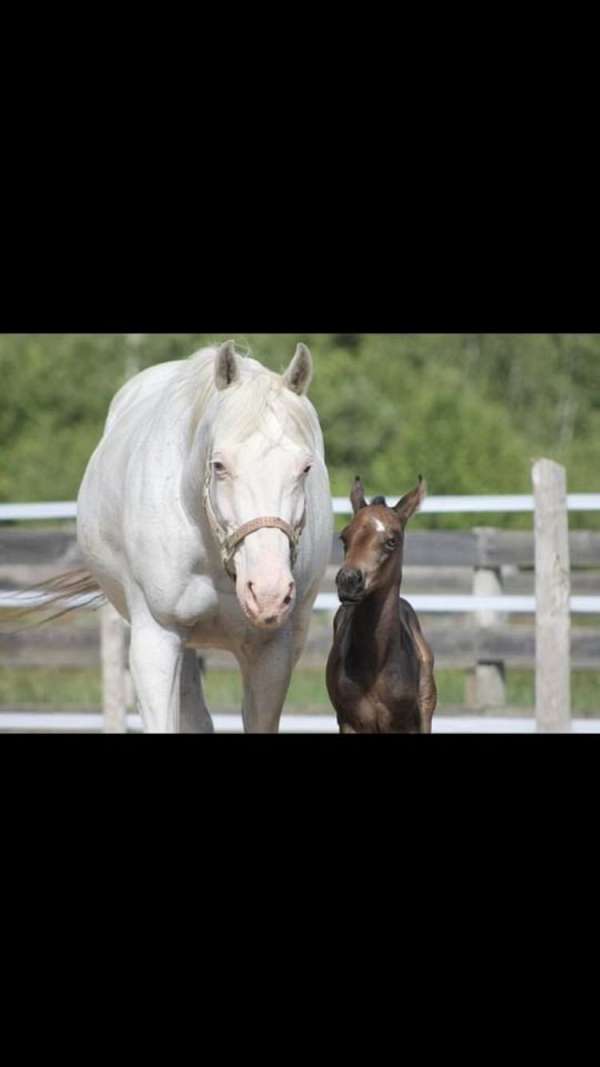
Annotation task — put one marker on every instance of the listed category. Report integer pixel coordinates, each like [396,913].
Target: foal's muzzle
[350,585]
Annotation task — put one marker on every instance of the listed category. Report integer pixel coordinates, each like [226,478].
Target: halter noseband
[229,542]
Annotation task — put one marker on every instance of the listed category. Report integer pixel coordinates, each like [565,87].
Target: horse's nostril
[350,577]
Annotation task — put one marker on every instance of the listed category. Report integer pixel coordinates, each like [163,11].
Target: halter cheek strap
[228,543]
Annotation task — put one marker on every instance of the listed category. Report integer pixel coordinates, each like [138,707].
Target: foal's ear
[357,495]
[299,374]
[227,366]
[412,501]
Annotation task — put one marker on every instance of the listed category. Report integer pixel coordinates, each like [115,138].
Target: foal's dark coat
[380,668]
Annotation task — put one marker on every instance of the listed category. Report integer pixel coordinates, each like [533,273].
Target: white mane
[258,401]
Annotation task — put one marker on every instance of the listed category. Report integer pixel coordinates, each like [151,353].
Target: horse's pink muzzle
[266,601]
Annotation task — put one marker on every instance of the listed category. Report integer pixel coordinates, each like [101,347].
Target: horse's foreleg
[266,673]
[194,715]
[156,659]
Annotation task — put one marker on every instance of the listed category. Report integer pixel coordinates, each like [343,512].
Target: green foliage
[467,411]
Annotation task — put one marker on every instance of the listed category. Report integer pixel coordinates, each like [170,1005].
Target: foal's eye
[308,469]
[219,468]
[390,543]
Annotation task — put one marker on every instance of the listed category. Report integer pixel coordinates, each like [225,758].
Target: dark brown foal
[380,669]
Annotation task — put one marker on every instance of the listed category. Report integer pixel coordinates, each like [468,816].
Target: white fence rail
[431,604]
[26,512]
[432,505]
[449,505]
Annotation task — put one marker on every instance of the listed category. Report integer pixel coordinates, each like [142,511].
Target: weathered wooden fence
[478,591]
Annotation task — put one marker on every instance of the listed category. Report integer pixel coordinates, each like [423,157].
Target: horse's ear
[227,366]
[412,501]
[357,495]
[299,374]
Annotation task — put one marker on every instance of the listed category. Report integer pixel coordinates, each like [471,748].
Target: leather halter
[228,543]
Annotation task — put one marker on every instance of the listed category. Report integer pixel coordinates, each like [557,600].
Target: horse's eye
[219,467]
[308,469]
[390,543]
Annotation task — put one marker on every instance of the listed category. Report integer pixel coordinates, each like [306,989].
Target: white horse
[205,517]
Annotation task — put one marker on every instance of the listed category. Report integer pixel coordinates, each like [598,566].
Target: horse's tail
[66,592]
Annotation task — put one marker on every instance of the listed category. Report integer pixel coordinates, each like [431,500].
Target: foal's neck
[376,618]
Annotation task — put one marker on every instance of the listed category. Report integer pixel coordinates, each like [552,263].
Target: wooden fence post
[486,683]
[112,651]
[552,591]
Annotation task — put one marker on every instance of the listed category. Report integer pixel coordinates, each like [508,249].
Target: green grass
[82,688]
[59,688]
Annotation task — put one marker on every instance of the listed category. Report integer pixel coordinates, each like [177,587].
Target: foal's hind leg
[427,695]
[194,717]
[427,699]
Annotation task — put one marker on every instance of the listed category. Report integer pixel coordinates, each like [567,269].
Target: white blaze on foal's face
[256,479]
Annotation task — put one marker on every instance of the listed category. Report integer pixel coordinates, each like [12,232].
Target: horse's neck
[375,621]
[193,473]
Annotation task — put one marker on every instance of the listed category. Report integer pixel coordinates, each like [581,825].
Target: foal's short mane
[258,401]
